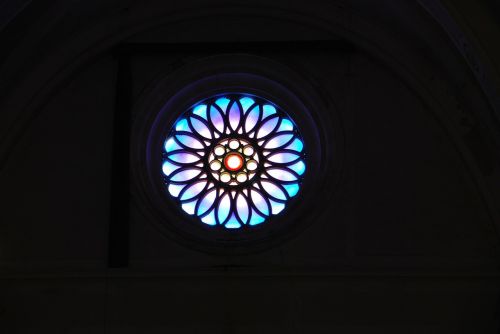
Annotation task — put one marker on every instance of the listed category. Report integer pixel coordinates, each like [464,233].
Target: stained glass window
[233,160]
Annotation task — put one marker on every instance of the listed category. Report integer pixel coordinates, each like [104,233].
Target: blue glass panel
[252,118]
[210,218]
[267,127]
[222,103]
[273,190]
[184,158]
[298,167]
[193,190]
[189,207]
[185,175]
[286,125]
[281,174]
[242,208]
[175,189]
[189,141]
[296,145]
[283,157]
[207,202]
[256,219]
[201,111]
[268,110]
[171,145]
[232,222]
[182,125]
[259,202]
[278,141]
[246,103]
[216,118]
[276,207]
[224,207]
[291,189]
[201,128]
[234,115]
[168,168]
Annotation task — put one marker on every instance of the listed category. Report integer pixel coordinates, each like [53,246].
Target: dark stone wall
[406,241]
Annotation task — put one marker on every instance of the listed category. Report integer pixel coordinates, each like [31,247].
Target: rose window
[233,161]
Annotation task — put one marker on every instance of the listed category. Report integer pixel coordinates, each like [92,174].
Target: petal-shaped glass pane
[242,208]
[246,103]
[267,127]
[210,218]
[256,219]
[201,128]
[216,119]
[193,190]
[232,222]
[298,167]
[296,145]
[281,174]
[259,202]
[234,116]
[224,208]
[175,189]
[189,141]
[286,125]
[283,158]
[207,201]
[182,125]
[273,190]
[222,103]
[184,158]
[185,175]
[168,168]
[171,145]
[268,110]
[276,207]
[201,110]
[189,207]
[291,189]
[252,119]
[278,141]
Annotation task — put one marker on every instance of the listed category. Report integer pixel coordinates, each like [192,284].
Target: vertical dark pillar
[119,224]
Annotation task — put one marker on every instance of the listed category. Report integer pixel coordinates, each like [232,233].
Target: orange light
[233,162]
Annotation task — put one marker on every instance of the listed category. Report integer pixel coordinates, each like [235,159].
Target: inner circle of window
[233,160]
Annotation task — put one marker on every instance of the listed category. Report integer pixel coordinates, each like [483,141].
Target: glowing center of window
[233,162]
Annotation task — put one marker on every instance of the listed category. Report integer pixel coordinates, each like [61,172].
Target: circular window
[231,154]
[233,161]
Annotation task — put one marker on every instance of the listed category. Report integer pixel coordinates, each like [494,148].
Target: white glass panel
[281,174]
[259,202]
[282,157]
[190,141]
[267,127]
[184,158]
[207,201]
[224,207]
[273,190]
[201,128]
[234,116]
[216,118]
[185,175]
[252,118]
[193,190]
[242,208]
[278,141]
